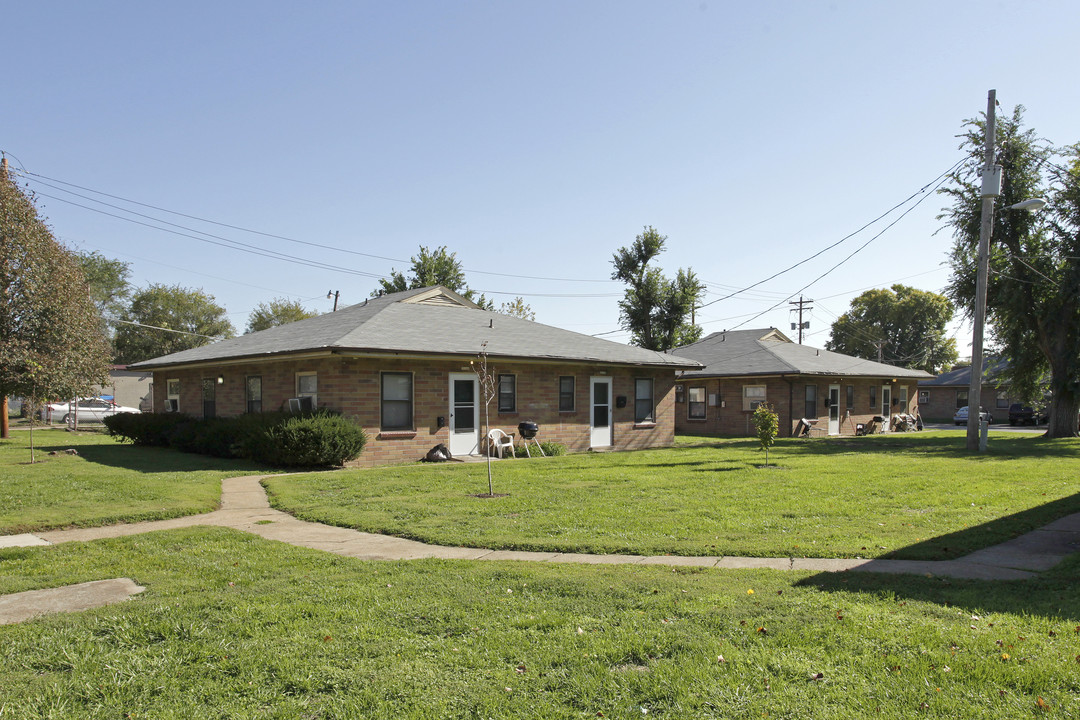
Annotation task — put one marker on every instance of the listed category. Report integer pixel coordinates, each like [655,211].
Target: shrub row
[551,449]
[314,439]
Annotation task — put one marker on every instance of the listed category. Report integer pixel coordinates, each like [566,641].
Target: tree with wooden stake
[488,382]
[768,424]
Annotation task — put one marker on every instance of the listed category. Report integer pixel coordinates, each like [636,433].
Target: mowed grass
[106,483]
[234,626]
[916,496]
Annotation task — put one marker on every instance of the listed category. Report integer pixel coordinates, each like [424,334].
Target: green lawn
[105,483]
[232,626]
[916,496]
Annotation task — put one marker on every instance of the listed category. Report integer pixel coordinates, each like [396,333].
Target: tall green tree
[52,344]
[432,267]
[1033,288]
[279,311]
[165,319]
[657,311]
[108,283]
[909,326]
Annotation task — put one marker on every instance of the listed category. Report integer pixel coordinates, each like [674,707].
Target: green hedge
[318,439]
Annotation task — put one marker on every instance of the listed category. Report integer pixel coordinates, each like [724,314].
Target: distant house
[744,368]
[942,396]
[130,388]
[402,366]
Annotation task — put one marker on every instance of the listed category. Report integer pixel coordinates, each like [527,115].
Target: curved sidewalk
[245,506]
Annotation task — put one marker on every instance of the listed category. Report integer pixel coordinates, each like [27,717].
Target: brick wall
[941,402]
[352,387]
[787,396]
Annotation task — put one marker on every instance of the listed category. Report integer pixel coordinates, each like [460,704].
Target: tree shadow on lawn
[1005,446]
[962,542]
[155,459]
[1054,594]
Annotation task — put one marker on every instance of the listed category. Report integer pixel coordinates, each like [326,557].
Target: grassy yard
[105,483]
[916,496]
[234,626]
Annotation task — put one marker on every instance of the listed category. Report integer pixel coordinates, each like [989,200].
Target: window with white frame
[643,400]
[696,406]
[397,401]
[307,385]
[924,397]
[752,396]
[172,395]
[1002,402]
[507,393]
[901,396]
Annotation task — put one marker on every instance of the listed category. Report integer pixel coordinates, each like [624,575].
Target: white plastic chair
[500,442]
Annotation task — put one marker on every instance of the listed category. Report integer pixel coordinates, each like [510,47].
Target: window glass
[961,399]
[307,384]
[850,397]
[873,398]
[397,401]
[566,393]
[209,393]
[753,395]
[696,407]
[507,393]
[253,388]
[643,400]
[810,405]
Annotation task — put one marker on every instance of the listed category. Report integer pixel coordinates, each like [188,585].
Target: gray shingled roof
[769,352]
[427,321]
[961,377]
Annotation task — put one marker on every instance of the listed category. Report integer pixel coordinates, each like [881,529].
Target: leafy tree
[518,308]
[1033,288]
[279,311]
[108,282]
[767,424]
[908,325]
[51,339]
[179,319]
[432,267]
[654,309]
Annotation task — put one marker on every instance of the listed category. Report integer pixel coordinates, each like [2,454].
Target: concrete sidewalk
[244,506]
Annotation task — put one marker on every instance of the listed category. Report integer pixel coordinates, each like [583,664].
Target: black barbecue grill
[528,430]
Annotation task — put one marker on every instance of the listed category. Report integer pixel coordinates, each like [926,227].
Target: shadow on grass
[154,459]
[957,544]
[1054,594]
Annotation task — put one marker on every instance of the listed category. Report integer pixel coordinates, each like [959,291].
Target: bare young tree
[488,381]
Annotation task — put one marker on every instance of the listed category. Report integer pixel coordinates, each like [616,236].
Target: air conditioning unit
[300,404]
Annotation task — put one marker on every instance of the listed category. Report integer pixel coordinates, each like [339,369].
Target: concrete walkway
[244,506]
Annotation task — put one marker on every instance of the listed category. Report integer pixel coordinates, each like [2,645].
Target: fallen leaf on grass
[1042,704]
[720,658]
[817,676]
[749,592]
[1004,656]
[762,630]
[520,669]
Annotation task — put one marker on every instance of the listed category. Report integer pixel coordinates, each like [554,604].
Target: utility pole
[991,188]
[333,294]
[802,304]
[3,402]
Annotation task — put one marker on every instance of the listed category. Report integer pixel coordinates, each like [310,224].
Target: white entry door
[600,424]
[886,406]
[834,409]
[464,414]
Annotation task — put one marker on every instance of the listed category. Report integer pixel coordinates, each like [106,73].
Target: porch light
[220,379]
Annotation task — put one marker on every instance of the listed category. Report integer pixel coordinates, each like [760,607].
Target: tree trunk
[1064,413]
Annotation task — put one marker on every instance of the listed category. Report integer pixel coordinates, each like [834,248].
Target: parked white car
[90,410]
[961,416]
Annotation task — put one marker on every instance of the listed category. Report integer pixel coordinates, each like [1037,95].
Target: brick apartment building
[942,396]
[403,366]
[744,368]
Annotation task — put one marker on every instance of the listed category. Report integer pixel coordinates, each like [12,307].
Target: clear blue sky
[532,139]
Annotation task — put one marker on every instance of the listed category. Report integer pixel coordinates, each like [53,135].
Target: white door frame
[886,406]
[834,409]
[464,443]
[601,436]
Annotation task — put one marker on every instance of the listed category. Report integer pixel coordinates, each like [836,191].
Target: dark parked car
[1020,414]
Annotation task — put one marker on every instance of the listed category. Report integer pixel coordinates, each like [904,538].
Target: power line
[38,178]
[845,238]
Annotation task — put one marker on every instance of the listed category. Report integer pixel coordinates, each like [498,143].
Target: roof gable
[768,351]
[426,321]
